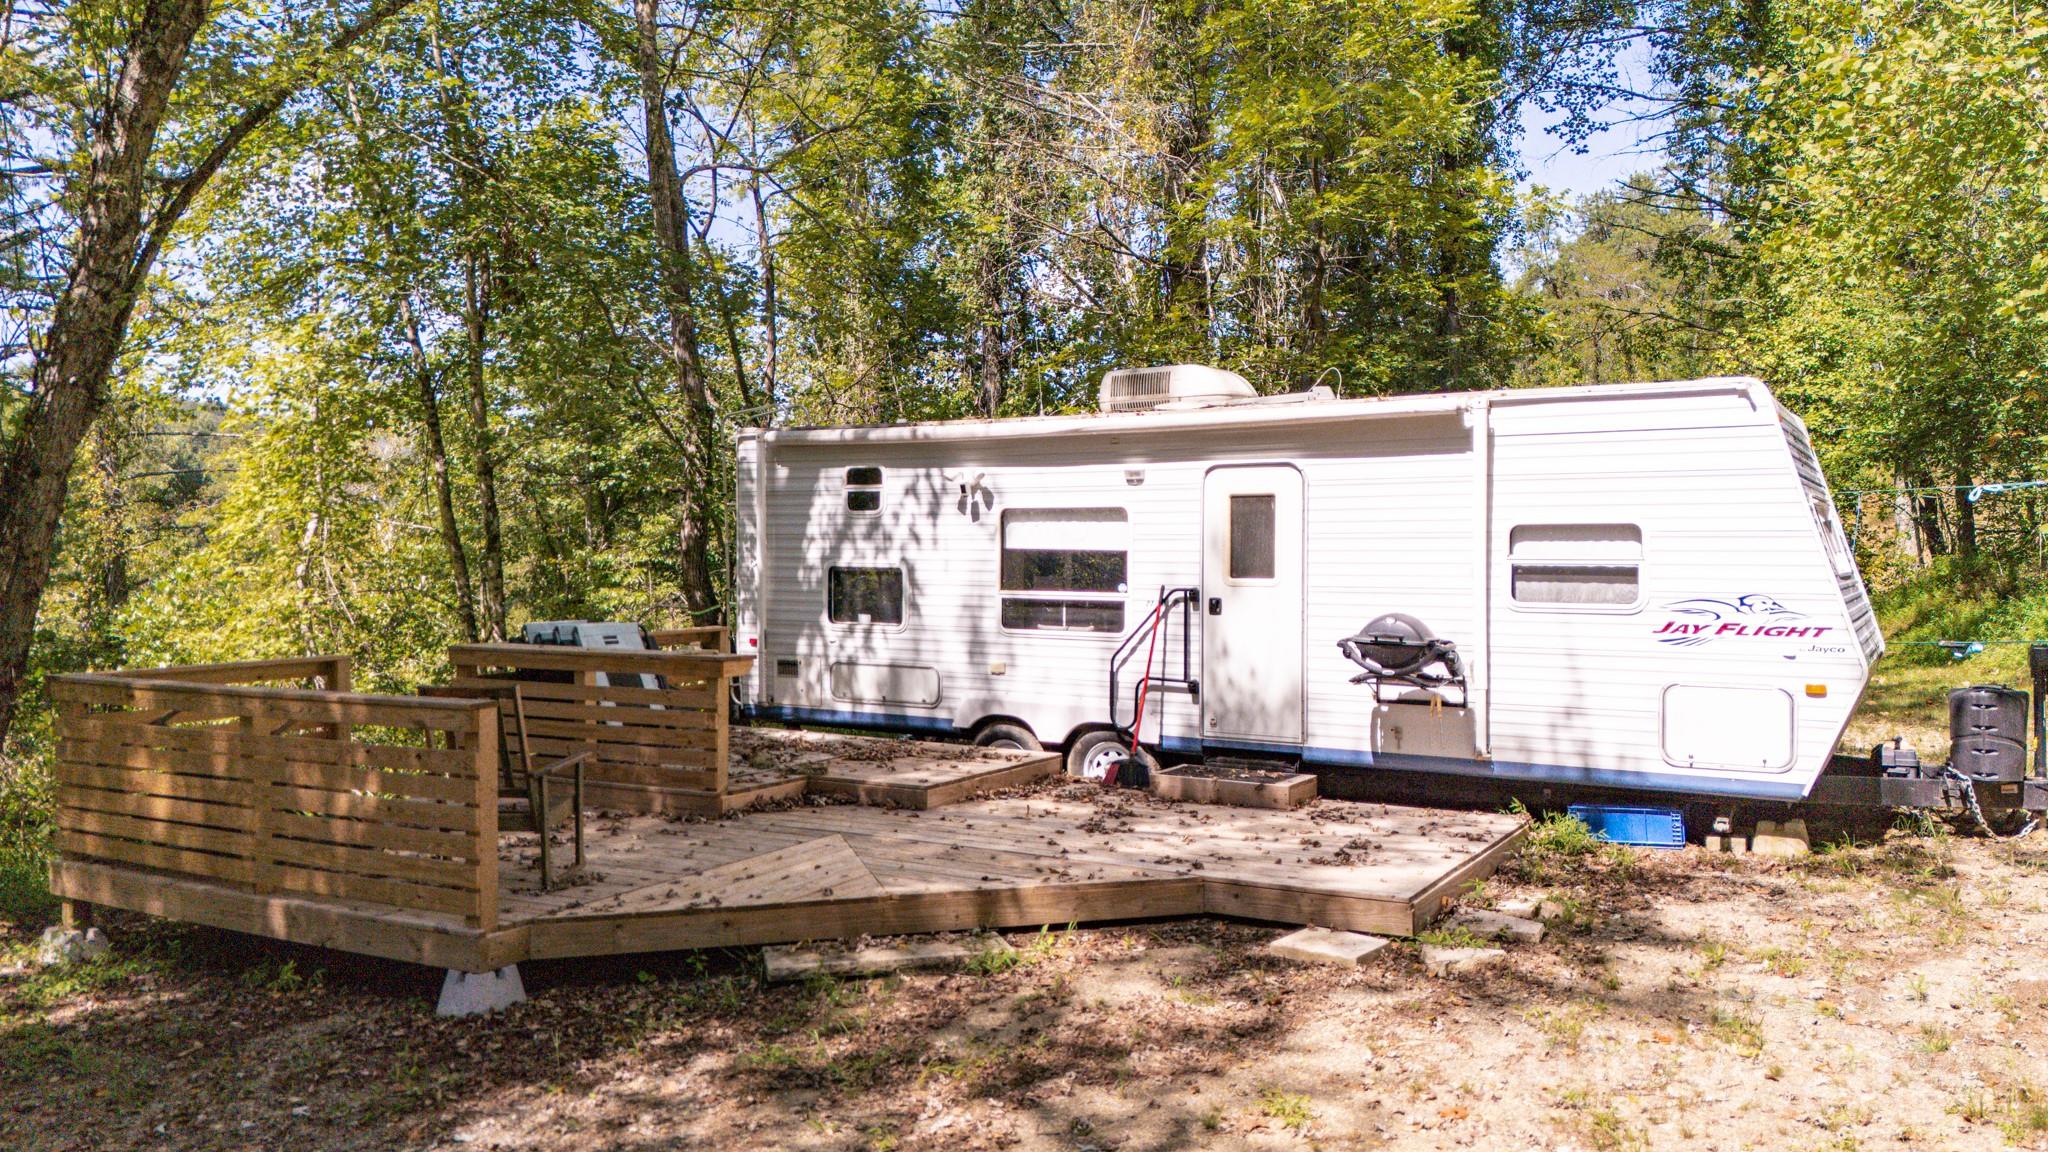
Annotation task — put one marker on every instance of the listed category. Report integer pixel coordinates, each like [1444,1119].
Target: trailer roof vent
[1133,389]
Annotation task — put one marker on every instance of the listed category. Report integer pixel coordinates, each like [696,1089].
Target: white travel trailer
[1634,586]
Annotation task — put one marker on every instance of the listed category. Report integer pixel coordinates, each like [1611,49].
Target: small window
[864,595]
[1595,566]
[1251,537]
[863,489]
[1064,569]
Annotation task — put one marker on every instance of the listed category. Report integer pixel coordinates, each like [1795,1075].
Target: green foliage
[1562,836]
[1630,284]
[26,797]
[1903,259]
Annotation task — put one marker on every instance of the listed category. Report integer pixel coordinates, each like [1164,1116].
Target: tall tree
[679,298]
[115,244]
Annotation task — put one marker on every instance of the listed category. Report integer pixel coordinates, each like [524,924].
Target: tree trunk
[87,327]
[472,173]
[1927,517]
[991,351]
[769,350]
[483,444]
[671,232]
[437,471]
[1966,515]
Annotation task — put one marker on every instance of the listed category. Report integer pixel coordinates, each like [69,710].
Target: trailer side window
[864,595]
[863,489]
[1064,569]
[1576,565]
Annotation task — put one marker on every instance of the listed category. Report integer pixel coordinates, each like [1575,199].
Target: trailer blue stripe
[881,721]
[1504,770]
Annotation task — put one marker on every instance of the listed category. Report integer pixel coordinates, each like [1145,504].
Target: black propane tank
[1987,728]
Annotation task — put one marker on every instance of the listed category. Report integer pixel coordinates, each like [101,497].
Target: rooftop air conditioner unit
[1135,389]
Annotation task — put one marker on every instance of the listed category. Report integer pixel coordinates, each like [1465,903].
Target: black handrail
[1159,616]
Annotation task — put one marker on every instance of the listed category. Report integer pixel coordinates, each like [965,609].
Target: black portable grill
[1398,649]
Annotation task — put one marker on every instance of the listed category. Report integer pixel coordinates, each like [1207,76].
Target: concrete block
[794,962]
[1774,838]
[1489,925]
[1523,906]
[1723,843]
[71,946]
[1326,946]
[1441,961]
[476,993]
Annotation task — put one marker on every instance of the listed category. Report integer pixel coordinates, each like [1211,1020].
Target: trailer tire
[1004,735]
[1092,752]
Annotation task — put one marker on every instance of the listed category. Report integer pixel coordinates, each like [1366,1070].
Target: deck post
[721,748]
[483,744]
[76,915]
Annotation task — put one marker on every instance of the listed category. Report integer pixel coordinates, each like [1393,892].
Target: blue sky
[1612,155]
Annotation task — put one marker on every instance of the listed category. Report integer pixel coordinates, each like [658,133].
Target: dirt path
[1892,996]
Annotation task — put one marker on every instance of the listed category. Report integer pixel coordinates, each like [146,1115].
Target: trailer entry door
[1252,600]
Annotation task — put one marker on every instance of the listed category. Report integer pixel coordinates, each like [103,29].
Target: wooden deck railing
[707,637]
[214,773]
[668,737]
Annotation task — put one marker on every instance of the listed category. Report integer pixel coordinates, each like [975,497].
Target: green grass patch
[1291,1109]
[1739,1030]
[1456,936]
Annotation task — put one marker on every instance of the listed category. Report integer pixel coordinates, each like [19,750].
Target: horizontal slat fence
[704,637]
[388,800]
[674,736]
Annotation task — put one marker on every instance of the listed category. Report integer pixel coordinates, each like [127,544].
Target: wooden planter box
[1240,787]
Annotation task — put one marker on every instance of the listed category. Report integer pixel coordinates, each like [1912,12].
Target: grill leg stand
[476,993]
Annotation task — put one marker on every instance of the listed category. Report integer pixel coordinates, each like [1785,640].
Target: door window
[1251,537]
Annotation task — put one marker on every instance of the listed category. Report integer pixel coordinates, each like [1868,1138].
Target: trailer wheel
[1091,754]
[1007,736]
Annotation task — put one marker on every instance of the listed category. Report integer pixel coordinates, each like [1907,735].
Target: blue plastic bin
[1644,827]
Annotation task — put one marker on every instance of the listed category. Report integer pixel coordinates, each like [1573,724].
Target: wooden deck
[827,869]
[1061,854]
[263,797]
[871,770]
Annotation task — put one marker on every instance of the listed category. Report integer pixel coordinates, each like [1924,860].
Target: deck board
[1021,854]
[1014,860]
